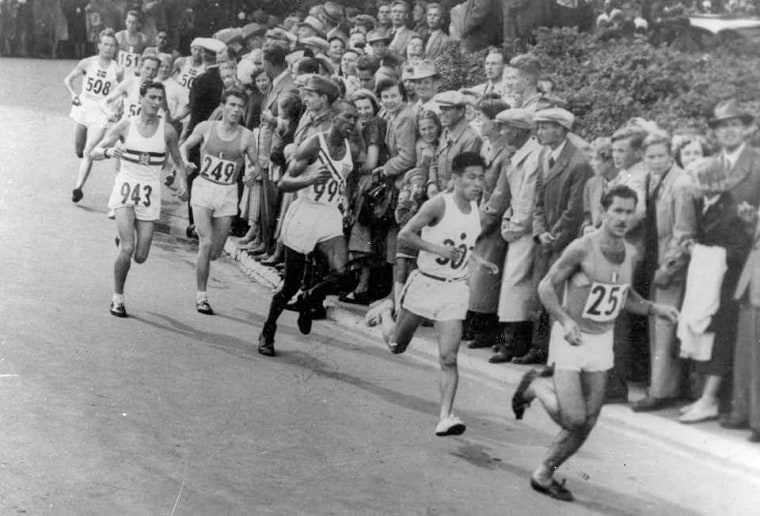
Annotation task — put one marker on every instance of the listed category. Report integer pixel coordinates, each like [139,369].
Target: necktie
[551,161]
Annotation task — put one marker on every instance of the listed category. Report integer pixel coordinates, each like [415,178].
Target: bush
[607,83]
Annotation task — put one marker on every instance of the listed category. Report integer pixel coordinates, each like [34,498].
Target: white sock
[200,296]
[118,298]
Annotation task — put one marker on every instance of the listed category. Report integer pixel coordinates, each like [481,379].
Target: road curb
[708,440]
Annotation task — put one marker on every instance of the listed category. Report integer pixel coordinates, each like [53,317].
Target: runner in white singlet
[214,199]
[136,197]
[596,272]
[444,231]
[125,98]
[100,76]
[314,221]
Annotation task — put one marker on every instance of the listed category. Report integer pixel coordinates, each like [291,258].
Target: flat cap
[316,43]
[365,20]
[559,116]
[333,11]
[210,44]
[450,98]
[378,35]
[229,35]
[254,29]
[519,118]
[527,63]
[321,84]
[280,34]
[313,23]
[424,69]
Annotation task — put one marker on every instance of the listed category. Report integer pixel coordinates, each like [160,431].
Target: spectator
[494,69]
[428,134]
[407,77]
[484,283]
[415,50]
[528,71]
[510,209]
[509,87]
[400,145]
[357,38]
[670,221]
[604,173]
[366,67]
[162,45]
[367,241]
[153,18]
[457,137]
[335,51]
[425,80]
[254,36]
[400,33]
[437,40]
[558,213]
[688,149]
[77,19]
[384,16]
[378,41]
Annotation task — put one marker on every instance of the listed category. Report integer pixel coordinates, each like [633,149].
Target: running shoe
[556,490]
[76,195]
[117,309]
[450,425]
[204,307]
[266,344]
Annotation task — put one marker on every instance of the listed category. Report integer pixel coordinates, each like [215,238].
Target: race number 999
[136,193]
[605,302]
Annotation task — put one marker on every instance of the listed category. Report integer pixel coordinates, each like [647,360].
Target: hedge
[606,83]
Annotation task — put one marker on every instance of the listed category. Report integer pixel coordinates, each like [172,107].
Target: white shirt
[732,158]
[556,152]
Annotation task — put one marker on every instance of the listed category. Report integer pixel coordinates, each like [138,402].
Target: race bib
[97,86]
[135,194]
[128,59]
[330,193]
[604,302]
[187,78]
[218,170]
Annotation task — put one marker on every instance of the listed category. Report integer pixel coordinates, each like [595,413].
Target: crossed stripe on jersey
[325,159]
[144,158]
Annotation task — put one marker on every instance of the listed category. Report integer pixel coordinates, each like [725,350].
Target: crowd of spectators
[543,187]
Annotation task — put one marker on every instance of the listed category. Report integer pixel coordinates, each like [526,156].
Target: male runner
[129,89]
[596,271]
[214,196]
[187,68]
[131,43]
[318,172]
[136,196]
[101,75]
[444,231]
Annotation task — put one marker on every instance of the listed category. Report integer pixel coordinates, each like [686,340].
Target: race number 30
[136,193]
[604,302]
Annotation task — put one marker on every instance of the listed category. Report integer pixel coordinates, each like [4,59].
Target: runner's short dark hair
[467,159]
[151,85]
[621,191]
[234,92]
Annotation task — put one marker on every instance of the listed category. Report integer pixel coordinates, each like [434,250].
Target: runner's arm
[194,139]
[119,91]
[567,264]
[636,304]
[294,180]
[108,142]
[177,66]
[79,69]
[429,215]
[173,148]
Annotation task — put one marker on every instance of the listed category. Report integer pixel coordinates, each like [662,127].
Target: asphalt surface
[173,412]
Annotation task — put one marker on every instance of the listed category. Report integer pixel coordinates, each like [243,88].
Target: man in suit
[437,41]
[670,221]
[205,96]
[558,213]
[400,33]
[742,163]
[275,66]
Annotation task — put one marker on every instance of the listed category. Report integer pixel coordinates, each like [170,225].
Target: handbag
[377,205]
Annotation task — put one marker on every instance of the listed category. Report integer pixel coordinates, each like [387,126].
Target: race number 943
[137,193]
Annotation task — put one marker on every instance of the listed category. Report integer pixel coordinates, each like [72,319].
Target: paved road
[173,412]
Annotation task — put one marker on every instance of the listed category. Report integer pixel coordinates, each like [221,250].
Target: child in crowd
[428,131]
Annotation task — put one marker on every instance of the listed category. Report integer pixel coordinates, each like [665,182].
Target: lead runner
[136,195]
[596,271]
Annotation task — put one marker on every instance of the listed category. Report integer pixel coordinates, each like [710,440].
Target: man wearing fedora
[379,41]
[558,212]
[425,79]
[457,137]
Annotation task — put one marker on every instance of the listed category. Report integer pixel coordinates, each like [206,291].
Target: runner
[129,90]
[136,196]
[215,193]
[596,272]
[318,171]
[101,75]
[186,69]
[131,43]
[444,231]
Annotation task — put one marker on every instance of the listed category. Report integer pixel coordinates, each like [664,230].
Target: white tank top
[188,73]
[98,82]
[143,157]
[331,192]
[456,229]
[129,55]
